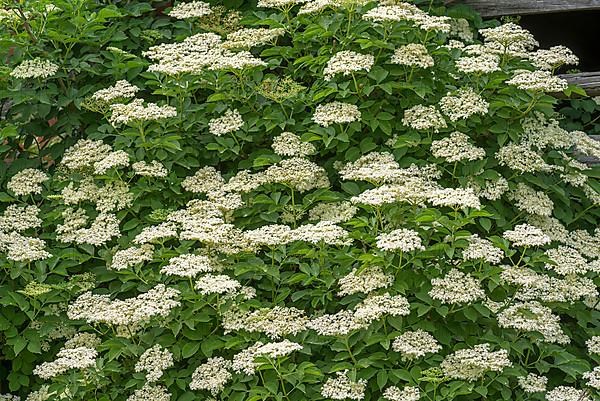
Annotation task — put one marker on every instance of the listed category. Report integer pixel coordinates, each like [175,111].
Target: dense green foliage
[309,227]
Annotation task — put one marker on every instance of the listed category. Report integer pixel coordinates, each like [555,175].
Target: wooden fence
[590,81]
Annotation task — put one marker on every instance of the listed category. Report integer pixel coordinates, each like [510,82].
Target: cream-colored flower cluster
[192,9]
[336,113]
[35,68]
[136,112]
[198,53]
[346,63]
[412,55]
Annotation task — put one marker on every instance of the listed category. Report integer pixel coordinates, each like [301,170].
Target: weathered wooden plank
[589,81]
[494,8]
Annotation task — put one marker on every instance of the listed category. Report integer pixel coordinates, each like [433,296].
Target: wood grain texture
[589,81]
[494,8]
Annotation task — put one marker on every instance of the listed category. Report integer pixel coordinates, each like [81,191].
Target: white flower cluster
[246,38]
[126,258]
[341,387]
[69,358]
[456,147]
[288,144]
[130,312]
[113,196]
[376,306]
[567,260]
[532,201]
[336,212]
[152,169]
[471,364]
[115,159]
[402,11]
[35,68]
[482,249]
[23,249]
[567,393]
[593,345]
[275,322]
[364,280]
[422,117]
[492,189]
[27,182]
[230,121]
[534,286]
[593,378]
[509,39]
[408,393]
[121,90]
[533,383]
[198,53]
[336,113]
[553,58]
[378,167]
[154,361]
[84,154]
[104,227]
[456,287]
[298,173]
[538,81]
[189,265]
[281,4]
[454,197]
[533,316]
[402,239]
[521,158]
[217,284]
[480,64]
[20,218]
[347,62]
[462,104]
[412,55]
[193,9]
[415,344]
[136,112]
[526,235]
[149,392]
[157,233]
[338,324]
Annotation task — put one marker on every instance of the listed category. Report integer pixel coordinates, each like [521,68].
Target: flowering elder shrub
[320,200]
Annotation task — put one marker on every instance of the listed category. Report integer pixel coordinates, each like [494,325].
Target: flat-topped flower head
[347,62]
[462,104]
[336,113]
[538,81]
[553,58]
[121,90]
[408,393]
[288,144]
[341,387]
[412,55]
[247,38]
[422,117]
[456,287]
[27,182]
[35,68]
[192,9]
[533,383]
[456,147]
[230,121]
[415,344]
[136,112]
[402,239]
[526,235]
